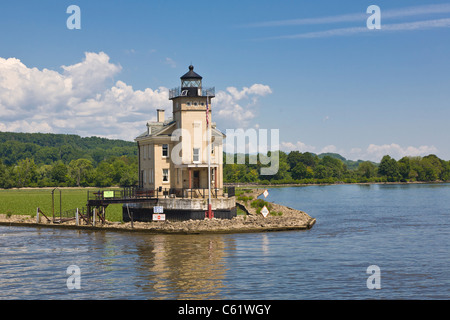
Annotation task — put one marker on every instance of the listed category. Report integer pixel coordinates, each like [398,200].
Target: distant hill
[351,164]
[48,147]
[333,155]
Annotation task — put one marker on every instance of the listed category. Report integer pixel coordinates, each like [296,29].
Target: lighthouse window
[196,155]
[165,175]
[165,150]
[191,83]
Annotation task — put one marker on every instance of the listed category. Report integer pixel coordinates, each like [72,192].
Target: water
[403,229]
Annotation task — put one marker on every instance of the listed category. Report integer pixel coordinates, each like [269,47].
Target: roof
[191,74]
[158,128]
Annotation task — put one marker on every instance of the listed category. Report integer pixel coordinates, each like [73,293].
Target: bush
[275,213]
[245,198]
[258,204]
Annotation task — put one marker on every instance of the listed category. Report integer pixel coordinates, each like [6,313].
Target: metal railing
[69,215]
[141,193]
[205,92]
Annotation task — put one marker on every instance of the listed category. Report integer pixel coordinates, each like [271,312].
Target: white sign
[265,193]
[159,217]
[264,211]
[158,209]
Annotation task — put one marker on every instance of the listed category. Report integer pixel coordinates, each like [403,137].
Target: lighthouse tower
[182,156]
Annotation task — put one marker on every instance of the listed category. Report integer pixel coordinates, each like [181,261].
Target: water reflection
[182,267]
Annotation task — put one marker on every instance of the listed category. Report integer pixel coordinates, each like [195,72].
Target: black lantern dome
[191,86]
[192,82]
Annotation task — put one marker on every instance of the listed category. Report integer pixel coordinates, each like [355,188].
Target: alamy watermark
[374,280]
[74,280]
[240,145]
[74,20]
[374,21]
[242,142]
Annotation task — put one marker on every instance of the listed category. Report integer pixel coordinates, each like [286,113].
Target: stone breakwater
[290,219]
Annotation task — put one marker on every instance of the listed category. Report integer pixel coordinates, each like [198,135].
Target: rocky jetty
[285,219]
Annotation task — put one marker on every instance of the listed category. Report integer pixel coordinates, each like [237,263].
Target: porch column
[215,178]
[190,178]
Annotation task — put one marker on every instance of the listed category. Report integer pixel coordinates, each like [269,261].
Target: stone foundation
[180,209]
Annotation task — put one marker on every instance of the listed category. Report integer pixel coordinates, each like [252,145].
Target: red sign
[159,217]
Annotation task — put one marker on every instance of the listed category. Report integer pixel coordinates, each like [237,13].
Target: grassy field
[26,201]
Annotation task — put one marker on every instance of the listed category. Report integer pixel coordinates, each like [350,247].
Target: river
[401,229]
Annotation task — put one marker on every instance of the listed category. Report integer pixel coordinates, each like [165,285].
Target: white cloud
[88,77]
[330,148]
[170,62]
[77,100]
[405,26]
[376,152]
[355,17]
[235,108]
[360,18]
[298,146]
[82,99]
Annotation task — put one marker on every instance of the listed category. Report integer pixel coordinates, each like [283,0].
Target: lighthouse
[181,155]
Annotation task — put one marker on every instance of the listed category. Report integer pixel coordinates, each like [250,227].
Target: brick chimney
[160,115]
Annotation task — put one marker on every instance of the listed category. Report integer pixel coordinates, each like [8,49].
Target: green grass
[26,201]
[239,212]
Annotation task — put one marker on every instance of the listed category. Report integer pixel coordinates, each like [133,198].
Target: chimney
[160,115]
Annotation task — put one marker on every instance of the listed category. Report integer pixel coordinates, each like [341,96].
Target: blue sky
[311,69]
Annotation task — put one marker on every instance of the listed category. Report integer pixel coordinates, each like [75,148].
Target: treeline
[47,148]
[51,160]
[56,160]
[308,168]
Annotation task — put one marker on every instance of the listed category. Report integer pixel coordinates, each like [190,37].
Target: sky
[311,69]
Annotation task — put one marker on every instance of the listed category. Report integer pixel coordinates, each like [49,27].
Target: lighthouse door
[196,182]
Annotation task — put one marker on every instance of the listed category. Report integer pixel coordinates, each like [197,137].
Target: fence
[131,193]
[69,215]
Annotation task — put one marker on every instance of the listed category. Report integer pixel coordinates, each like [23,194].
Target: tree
[309,159]
[445,175]
[104,173]
[3,174]
[320,172]
[58,172]
[283,166]
[293,158]
[432,168]
[300,171]
[25,172]
[389,168]
[404,168]
[79,170]
[334,166]
[366,169]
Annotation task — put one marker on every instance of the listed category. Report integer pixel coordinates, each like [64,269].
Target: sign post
[264,211]
[158,213]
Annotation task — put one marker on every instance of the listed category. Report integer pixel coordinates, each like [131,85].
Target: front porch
[195,176]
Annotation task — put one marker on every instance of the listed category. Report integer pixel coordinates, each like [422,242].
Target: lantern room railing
[178,92]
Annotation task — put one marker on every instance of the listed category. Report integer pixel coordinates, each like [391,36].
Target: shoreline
[156,231]
[290,220]
[190,227]
[245,185]
[254,185]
